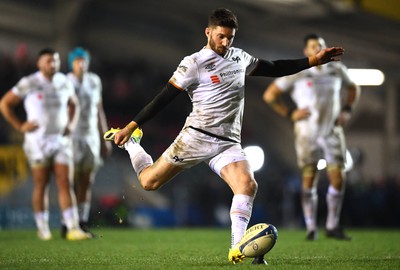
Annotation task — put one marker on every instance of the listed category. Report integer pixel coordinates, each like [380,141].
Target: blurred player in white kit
[318,121]
[51,107]
[89,147]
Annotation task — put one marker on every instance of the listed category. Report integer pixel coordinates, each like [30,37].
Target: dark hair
[310,36]
[45,51]
[223,17]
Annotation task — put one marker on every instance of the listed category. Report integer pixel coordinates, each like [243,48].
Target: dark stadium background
[135,47]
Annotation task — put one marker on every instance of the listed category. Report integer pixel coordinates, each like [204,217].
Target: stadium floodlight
[348,165]
[369,77]
[321,164]
[255,155]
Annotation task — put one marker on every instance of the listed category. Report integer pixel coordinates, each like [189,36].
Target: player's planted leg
[309,200]
[240,178]
[334,201]
[42,223]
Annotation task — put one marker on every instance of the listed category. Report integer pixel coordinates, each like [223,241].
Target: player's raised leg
[151,175]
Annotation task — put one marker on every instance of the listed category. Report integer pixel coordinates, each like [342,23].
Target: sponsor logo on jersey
[182,69]
[215,79]
[236,59]
[177,159]
[210,67]
[231,73]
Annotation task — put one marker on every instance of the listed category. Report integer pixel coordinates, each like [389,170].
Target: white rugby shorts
[48,149]
[192,147]
[86,152]
[331,147]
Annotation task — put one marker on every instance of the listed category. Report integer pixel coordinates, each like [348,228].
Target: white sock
[71,218]
[309,201]
[139,158]
[334,199]
[84,211]
[240,216]
[42,221]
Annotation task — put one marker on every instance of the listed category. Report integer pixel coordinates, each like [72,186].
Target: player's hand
[328,55]
[344,118]
[67,131]
[124,134]
[29,126]
[300,114]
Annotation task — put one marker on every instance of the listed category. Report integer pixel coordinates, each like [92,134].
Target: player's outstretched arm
[326,55]
[279,68]
[7,108]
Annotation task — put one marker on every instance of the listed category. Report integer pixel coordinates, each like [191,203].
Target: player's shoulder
[27,82]
[31,78]
[236,50]
[61,81]
[191,61]
[93,76]
[60,76]
[194,57]
[239,51]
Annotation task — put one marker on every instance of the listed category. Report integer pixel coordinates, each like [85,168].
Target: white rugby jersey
[317,89]
[89,93]
[215,85]
[45,102]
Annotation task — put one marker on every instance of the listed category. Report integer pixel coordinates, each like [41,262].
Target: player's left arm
[353,95]
[281,68]
[106,146]
[73,114]
[272,96]
[102,126]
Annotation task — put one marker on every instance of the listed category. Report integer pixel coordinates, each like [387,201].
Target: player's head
[78,60]
[313,43]
[48,62]
[221,30]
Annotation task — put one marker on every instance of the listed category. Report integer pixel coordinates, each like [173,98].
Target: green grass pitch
[181,249]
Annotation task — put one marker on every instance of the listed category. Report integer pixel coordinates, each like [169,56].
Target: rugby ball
[258,240]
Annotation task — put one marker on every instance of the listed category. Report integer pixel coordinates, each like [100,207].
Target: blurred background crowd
[136,46]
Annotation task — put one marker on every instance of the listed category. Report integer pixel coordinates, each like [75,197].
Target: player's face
[314,46]
[220,38]
[49,64]
[79,66]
